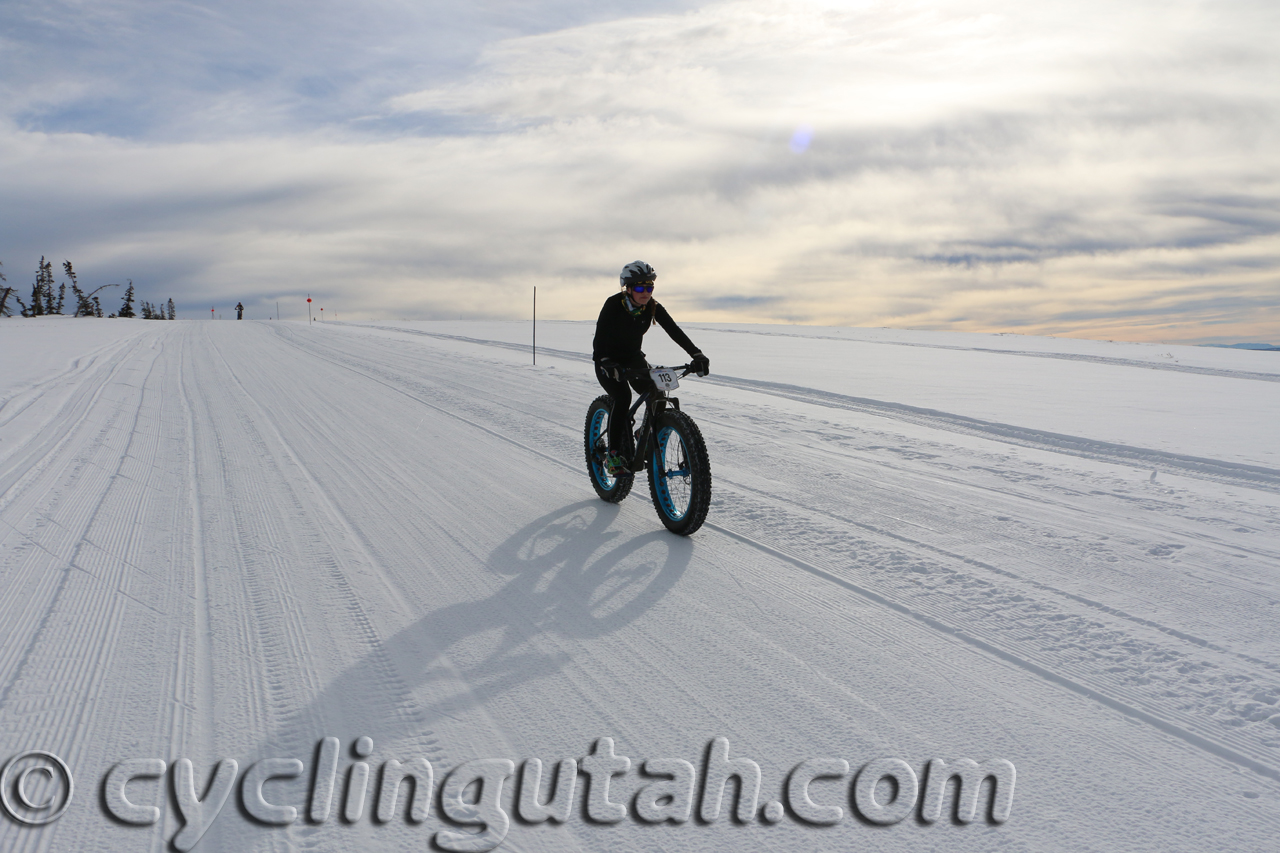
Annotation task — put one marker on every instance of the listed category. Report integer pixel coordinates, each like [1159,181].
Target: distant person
[620,363]
[239,311]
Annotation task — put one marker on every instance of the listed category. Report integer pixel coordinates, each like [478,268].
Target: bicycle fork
[645,439]
[644,434]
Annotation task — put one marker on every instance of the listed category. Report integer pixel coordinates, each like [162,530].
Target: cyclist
[620,363]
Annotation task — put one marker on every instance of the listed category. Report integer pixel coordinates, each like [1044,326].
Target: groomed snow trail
[230,540]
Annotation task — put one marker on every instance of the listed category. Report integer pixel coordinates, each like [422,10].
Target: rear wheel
[680,473]
[595,439]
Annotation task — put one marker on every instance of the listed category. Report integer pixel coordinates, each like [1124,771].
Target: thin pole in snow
[535,324]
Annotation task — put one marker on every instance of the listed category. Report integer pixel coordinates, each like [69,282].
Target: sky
[1082,169]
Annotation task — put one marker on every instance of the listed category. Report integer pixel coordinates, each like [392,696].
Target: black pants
[620,439]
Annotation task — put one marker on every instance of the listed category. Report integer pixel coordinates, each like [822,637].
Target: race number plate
[664,378]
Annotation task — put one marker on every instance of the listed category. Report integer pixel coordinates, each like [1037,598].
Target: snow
[231,540]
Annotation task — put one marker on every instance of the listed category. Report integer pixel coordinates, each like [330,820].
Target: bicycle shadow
[571,578]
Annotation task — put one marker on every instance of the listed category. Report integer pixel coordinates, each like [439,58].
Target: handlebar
[687,368]
[638,371]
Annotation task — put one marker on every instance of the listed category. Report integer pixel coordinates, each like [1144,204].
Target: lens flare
[801,139]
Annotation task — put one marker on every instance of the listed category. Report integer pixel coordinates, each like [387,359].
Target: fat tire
[699,474]
[610,489]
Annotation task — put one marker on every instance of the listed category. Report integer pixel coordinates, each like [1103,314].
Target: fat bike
[668,444]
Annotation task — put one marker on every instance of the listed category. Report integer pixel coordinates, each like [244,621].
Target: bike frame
[655,402]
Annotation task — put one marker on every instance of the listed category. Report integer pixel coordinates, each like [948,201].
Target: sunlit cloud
[1044,168]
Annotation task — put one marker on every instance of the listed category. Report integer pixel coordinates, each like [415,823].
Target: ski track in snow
[231,540]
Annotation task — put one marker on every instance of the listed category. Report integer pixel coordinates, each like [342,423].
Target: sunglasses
[642,288]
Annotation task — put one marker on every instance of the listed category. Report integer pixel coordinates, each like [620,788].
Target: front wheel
[595,438]
[680,473]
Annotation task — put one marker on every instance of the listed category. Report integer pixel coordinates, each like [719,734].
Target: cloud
[1056,168]
[188,70]
[733,301]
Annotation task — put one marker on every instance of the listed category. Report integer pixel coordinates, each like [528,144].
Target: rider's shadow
[571,577]
[568,578]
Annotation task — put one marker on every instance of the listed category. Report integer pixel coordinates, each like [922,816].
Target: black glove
[701,364]
[611,369]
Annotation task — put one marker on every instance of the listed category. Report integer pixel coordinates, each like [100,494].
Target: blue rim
[662,474]
[597,470]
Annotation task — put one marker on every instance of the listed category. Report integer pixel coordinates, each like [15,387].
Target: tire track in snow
[76,526]
[1248,476]
[1064,525]
[946,554]
[267,540]
[1031,626]
[30,459]
[194,693]
[267,663]
[1079,687]
[1239,754]
[76,375]
[1223,700]
[822,494]
[321,543]
[77,632]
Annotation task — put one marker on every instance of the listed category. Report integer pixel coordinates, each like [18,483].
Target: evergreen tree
[84,305]
[173,312]
[126,310]
[36,308]
[44,277]
[37,295]
[62,295]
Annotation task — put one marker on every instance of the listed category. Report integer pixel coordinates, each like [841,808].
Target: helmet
[637,272]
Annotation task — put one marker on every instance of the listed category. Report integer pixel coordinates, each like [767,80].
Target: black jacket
[619,333]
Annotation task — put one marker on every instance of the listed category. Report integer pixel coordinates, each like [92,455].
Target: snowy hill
[226,541]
